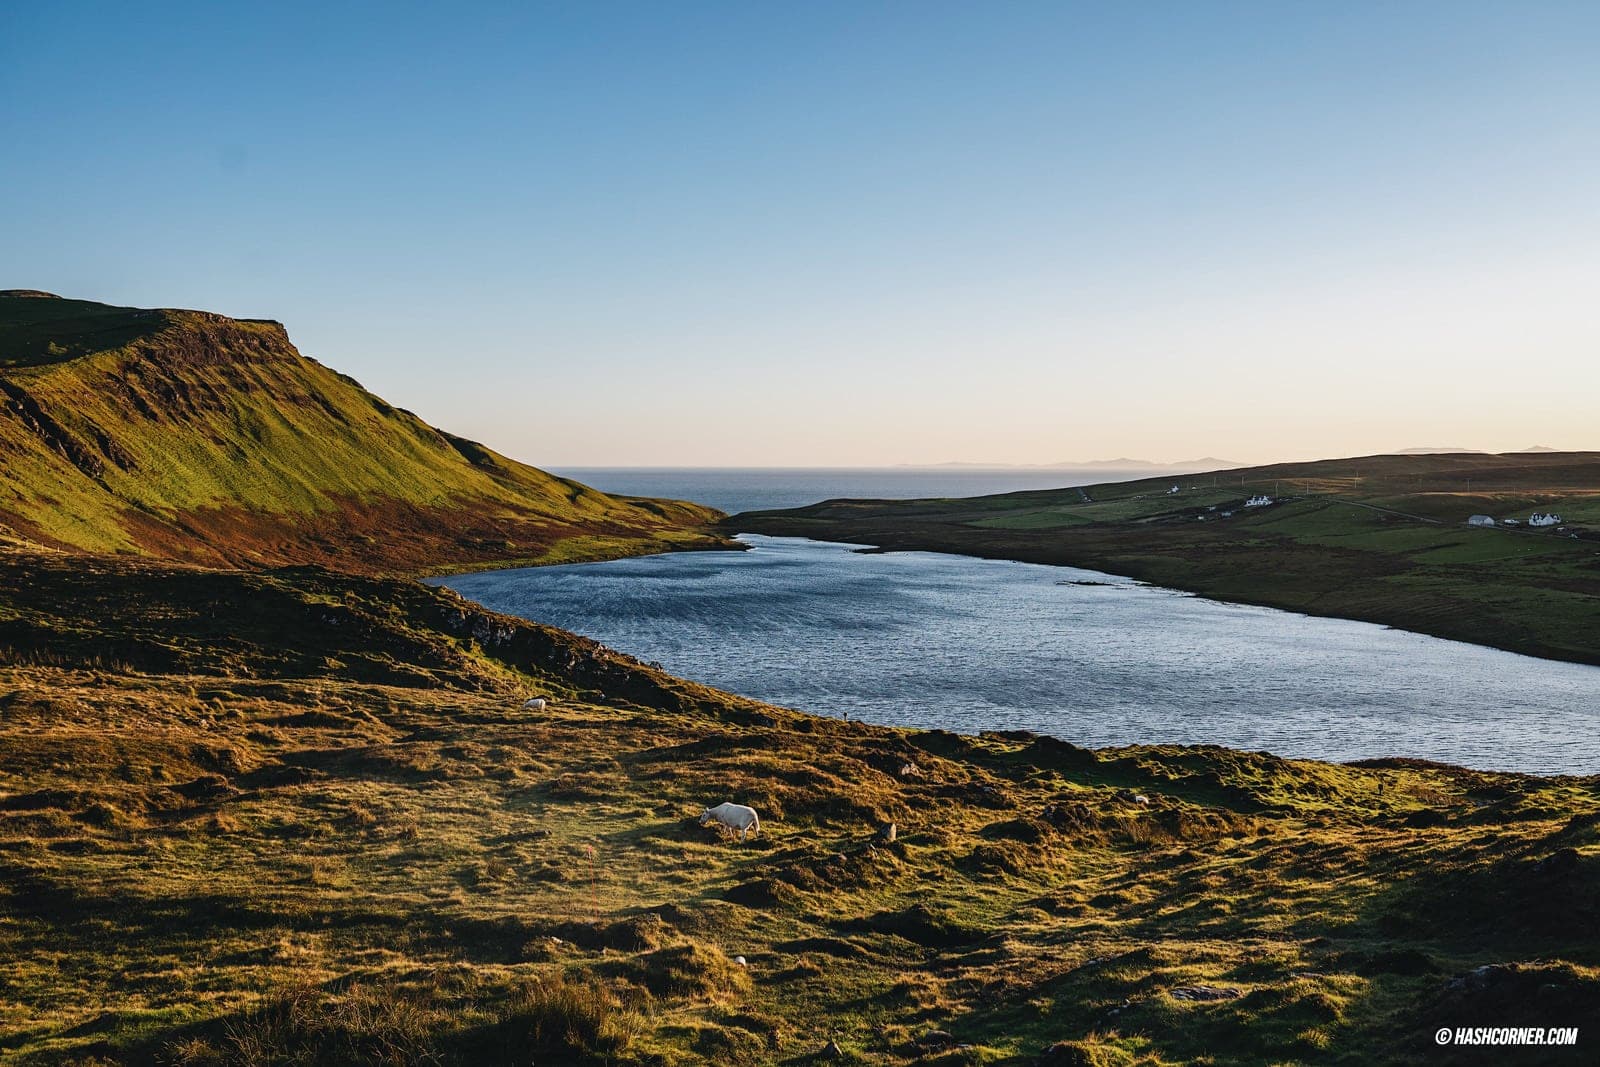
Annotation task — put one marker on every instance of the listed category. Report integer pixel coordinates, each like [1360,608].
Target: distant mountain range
[1187,466]
[1208,463]
[1469,451]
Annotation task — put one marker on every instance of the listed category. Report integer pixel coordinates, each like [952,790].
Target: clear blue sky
[855,233]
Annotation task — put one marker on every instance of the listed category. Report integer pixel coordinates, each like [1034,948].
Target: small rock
[887,833]
[1204,992]
[832,1050]
[1562,862]
[740,961]
[1476,979]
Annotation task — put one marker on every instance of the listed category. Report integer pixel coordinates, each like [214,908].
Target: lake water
[736,489]
[931,640]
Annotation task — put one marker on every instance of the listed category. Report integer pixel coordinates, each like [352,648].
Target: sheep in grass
[534,704]
[734,817]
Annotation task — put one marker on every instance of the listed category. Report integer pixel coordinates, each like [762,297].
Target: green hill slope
[1379,538]
[192,436]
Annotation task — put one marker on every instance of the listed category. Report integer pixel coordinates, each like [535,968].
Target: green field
[1382,538]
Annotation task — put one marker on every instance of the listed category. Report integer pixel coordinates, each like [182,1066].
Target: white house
[1480,520]
[1549,518]
[1258,501]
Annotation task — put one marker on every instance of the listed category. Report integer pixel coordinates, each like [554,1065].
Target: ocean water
[932,640]
[736,489]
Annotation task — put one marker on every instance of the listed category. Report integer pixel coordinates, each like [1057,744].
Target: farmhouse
[1549,518]
[1258,501]
[1480,520]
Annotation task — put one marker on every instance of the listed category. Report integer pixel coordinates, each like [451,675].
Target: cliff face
[193,436]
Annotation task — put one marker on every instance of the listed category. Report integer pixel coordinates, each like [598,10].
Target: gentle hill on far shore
[192,436]
[1380,538]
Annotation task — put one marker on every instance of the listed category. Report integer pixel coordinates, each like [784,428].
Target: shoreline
[1089,738]
[879,541]
[884,550]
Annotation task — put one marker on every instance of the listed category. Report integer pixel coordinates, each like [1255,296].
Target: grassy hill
[298,817]
[192,436]
[1379,538]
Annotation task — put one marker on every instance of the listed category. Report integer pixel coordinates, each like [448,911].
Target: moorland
[267,799]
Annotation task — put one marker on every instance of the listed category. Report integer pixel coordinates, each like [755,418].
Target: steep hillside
[1379,538]
[192,436]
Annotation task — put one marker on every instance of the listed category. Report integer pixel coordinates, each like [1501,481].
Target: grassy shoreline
[297,816]
[1395,552]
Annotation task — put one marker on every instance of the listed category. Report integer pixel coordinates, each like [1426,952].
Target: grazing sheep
[1141,800]
[734,817]
[536,704]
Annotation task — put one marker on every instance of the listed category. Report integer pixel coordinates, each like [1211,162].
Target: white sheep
[535,704]
[734,817]
[1141,800]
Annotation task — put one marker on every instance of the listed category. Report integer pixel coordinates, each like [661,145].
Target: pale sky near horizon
[850,233]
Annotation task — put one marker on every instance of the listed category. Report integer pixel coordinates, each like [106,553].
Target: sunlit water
[924,639]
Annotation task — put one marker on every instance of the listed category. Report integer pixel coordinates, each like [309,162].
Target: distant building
[1258,501]
[1548,519]
[1480,520]
[1174,489]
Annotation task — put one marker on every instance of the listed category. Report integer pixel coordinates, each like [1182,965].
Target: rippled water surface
[923,639]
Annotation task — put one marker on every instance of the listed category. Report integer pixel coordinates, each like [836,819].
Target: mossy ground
[298,817]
